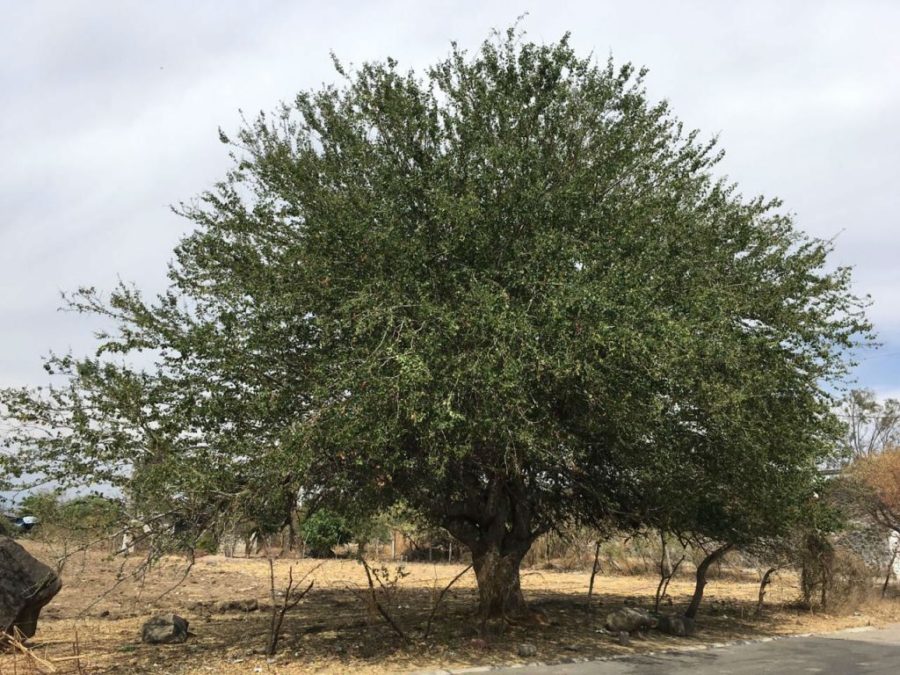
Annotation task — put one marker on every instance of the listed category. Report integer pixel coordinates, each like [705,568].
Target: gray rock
[225,606]
[628,619]
[26,585]
[624,638]
[165,629]
[526,650]
[675,624]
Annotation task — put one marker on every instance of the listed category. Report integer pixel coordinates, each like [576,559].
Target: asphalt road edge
[571,660]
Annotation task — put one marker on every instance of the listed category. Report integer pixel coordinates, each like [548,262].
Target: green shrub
[323,530]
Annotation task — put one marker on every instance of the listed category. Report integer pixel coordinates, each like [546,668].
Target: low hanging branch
[439,599]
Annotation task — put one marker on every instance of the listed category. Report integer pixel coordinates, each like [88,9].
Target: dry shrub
[834,578]
[850,582]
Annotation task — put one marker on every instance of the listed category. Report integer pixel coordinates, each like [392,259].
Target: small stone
[628,619]
[225,606]
[670,624]
[526,650]
[165,629]
[624,638]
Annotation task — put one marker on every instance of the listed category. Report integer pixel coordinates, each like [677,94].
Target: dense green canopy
[508,292]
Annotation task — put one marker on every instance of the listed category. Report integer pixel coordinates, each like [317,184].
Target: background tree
[872,425]
[322,531]
[498,292]
[875,481]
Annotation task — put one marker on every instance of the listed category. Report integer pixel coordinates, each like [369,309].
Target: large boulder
[628,620]
[165,629]
[26,585]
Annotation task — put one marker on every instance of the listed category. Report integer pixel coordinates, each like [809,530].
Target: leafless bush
[833,578]
[850,582]
[294,592]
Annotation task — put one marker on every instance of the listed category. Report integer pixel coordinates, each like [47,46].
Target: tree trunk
[495,523]
[499,590]
[292,535]
[766,580]
[890,570]
[702,569]
[594,569]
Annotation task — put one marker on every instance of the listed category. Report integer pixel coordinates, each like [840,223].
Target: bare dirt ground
[93,625]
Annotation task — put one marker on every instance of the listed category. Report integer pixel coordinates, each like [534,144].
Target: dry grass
[335,630]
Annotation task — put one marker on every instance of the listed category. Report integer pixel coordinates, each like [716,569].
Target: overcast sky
[109,112]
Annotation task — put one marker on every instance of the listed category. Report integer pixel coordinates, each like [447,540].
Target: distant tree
[872,425]
[90,514]
[43,505]
[323,530]
[497,292]
[877,482]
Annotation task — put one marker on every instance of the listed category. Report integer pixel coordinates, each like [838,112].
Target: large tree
[496,292]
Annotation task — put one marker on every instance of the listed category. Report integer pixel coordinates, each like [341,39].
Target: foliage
[322,530]
[874,482]
[44,505]
[93,515]
[508,292]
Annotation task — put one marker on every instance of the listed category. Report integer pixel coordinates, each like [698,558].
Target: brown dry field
[93,625]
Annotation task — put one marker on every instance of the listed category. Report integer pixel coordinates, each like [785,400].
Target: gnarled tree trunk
[497,573]
[496,526]
[702,569]
[766,580]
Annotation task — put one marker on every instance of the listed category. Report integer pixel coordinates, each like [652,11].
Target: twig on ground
[17,641]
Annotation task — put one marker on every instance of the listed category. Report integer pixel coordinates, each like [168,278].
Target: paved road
[844,653]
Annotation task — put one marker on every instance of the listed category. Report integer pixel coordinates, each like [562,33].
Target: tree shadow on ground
[341,629]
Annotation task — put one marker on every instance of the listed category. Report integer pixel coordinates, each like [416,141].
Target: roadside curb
[573,660]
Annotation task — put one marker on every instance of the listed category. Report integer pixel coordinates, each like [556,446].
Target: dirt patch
[98,614]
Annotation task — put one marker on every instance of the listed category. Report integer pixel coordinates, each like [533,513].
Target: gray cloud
[109,113]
